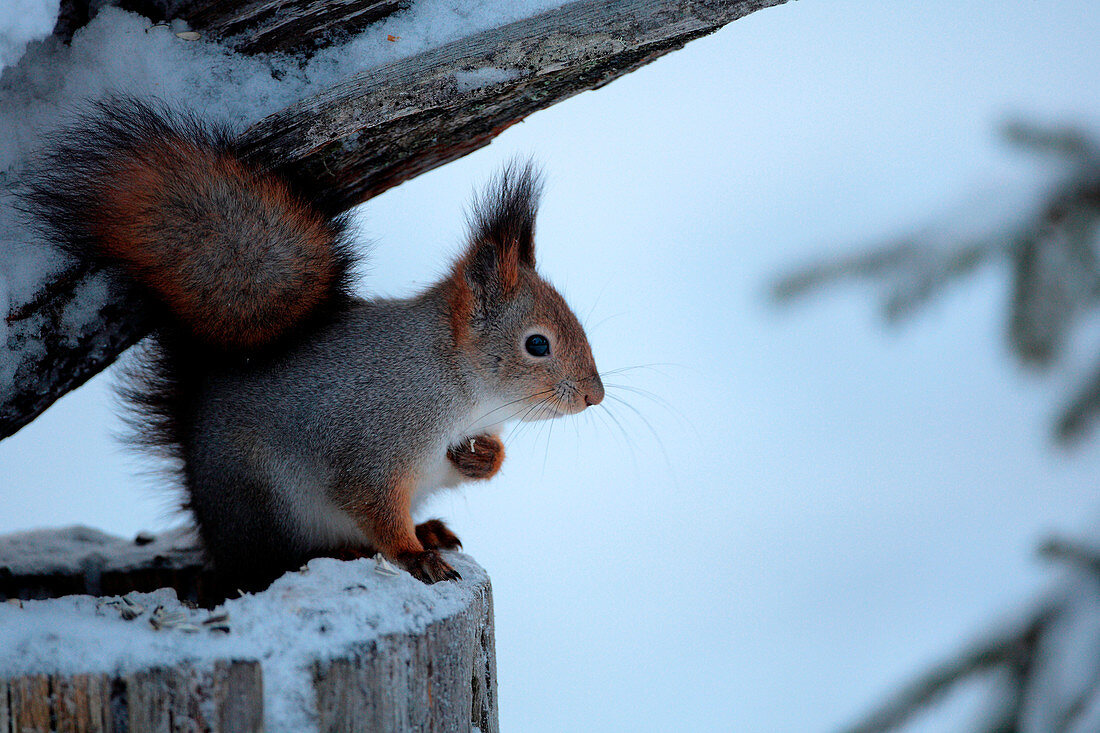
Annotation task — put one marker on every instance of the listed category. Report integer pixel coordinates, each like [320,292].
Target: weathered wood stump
[91,641]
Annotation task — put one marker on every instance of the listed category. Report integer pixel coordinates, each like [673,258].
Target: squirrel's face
[526,346]
[530,349]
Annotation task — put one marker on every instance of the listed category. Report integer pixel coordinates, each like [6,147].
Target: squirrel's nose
[594,395]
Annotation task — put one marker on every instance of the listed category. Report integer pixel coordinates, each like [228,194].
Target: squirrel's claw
[435,535]
[478,458]
[428,567]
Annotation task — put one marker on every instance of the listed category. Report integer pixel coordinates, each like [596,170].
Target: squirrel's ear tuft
[502,227]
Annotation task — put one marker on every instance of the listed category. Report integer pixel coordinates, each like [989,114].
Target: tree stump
[91,641]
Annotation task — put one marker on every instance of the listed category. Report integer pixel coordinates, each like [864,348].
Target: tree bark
[368,134]
[437,674]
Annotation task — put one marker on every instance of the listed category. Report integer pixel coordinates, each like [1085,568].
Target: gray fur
[323,422]
[288,446]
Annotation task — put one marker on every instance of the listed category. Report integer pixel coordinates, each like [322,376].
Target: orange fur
[508,264]
[460,300]
[199,228]
[386,520]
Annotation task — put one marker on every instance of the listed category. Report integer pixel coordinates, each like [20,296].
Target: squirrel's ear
[502,228]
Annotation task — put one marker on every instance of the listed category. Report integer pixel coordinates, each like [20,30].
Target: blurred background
[790,508]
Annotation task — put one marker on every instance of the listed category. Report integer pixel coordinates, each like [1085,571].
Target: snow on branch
[252,26]
[344,128]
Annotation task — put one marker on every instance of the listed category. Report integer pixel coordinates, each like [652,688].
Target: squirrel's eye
[538,345]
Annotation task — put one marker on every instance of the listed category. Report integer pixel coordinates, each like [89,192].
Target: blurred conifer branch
[1051,255]
[1008,657]
[1038,673]
[1041,672]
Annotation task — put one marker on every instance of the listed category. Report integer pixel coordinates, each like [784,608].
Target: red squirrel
[304,420]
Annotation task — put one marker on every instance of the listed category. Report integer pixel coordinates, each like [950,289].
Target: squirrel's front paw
[478,458]
[435,535]
[428,566]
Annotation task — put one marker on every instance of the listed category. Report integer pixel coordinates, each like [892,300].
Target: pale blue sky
[831,505]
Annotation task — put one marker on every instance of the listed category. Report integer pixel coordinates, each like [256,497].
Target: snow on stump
[335,646]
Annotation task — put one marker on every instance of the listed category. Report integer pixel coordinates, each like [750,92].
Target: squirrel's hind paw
[435,535]
[351,552]
[428,566]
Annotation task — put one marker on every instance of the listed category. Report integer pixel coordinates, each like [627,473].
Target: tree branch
[251,26]
[372,132]
[1013,648]
[1053,265]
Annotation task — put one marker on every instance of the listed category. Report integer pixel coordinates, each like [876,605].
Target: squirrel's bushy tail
[238,258]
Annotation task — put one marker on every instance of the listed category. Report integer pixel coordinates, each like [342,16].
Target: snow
[122,52]
[315,613]
[23,21]
[88,298]
[68,550]
[487,76]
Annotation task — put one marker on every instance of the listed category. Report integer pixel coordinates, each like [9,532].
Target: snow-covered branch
[252,26]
